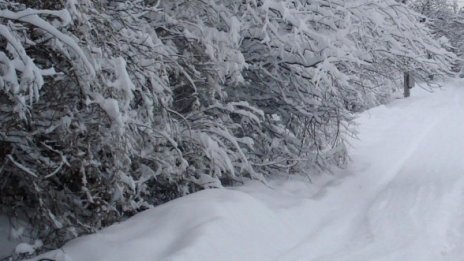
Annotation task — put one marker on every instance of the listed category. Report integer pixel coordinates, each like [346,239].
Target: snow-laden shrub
[445,20]
[392,41]
[110,107]
[122,111]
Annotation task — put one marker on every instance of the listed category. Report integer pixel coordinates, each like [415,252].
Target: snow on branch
[31,17]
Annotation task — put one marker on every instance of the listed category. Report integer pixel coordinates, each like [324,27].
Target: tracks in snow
[404,198]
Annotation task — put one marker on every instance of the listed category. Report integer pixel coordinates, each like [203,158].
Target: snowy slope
[401,198]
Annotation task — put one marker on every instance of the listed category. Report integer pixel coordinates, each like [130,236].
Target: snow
[25,248]
[111,107]
[400,198]
[123,81]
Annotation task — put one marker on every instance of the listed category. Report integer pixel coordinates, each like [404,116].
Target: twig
[20,166]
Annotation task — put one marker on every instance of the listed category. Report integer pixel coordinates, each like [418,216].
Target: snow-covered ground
[401,198]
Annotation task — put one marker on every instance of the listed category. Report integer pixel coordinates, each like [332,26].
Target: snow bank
[218,224]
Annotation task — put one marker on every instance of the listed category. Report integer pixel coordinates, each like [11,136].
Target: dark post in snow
[408,83]
[406,91]
[429,56]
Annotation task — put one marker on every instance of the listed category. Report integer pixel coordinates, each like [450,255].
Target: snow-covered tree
[445,22]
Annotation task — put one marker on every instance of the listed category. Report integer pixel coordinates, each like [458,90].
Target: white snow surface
[400,198]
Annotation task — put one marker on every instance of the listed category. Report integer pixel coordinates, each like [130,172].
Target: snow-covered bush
[110,107]
[393,41]
[122,109]
[445,20]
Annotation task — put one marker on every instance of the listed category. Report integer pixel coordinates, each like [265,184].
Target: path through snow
[401,198]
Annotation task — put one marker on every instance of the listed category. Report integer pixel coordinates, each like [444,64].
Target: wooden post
[406,84]
[429,56]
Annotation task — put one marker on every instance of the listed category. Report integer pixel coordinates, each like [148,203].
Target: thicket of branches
[110,107]
[446,21]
